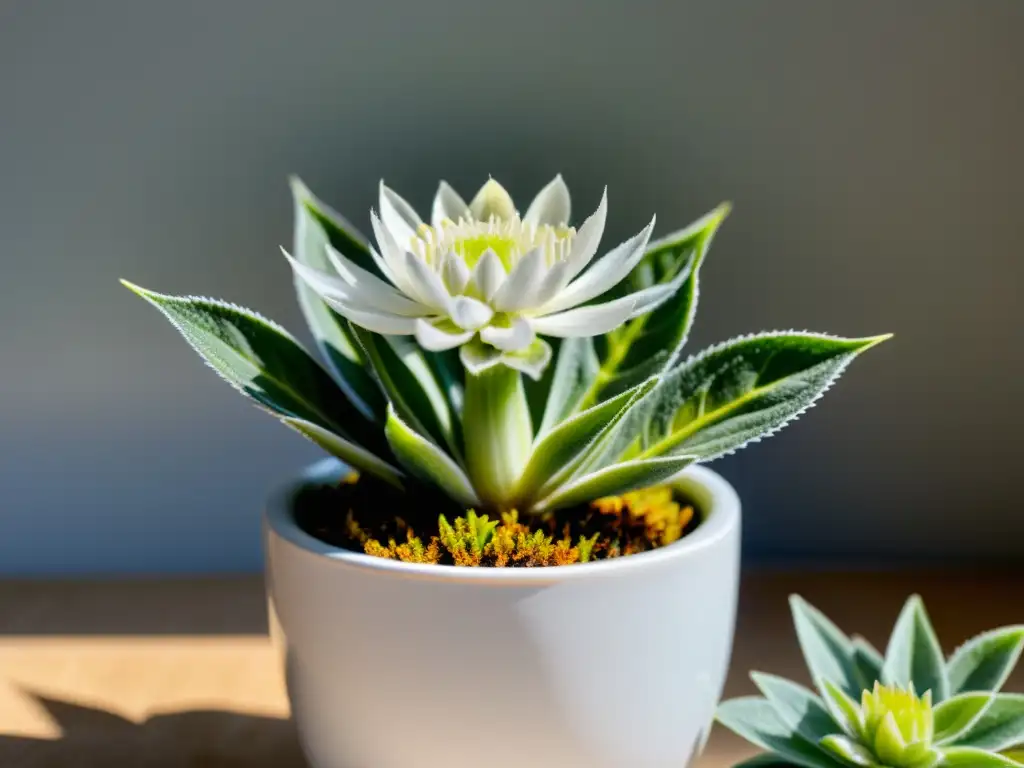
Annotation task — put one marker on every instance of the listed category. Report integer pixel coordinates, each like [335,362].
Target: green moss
[363,517]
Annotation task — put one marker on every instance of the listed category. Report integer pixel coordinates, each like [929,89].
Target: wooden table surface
[180,673]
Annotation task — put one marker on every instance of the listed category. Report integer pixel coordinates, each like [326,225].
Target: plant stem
[497,432]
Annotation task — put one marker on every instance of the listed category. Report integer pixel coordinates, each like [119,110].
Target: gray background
[871,150]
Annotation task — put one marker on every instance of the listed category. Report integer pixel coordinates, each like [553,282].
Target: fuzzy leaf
[868,662]
[827,651]
[613,480]
[676,257]
[1000,727]
[984,662]
[574,371]
[849,750]
[843,709]
[314,225]
[409,384]
[353,455]
[557,449]
[428,462]
[766,761]
[261,360]
[914,654]
[796,706]
[742,391]
[956,716]
[755,720]
[969,757]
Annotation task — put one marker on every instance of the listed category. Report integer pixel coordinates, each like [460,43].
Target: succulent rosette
[508,360]
[911,708]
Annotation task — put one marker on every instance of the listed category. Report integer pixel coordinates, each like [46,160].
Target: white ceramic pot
[612,664]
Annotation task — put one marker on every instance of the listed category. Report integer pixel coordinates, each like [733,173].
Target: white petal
[455,273]
[428,284]
[553,283]
[607,272]
[393,255]
[432,338]
[586,321]
[367,292]
[518,337]
[652,297]
[488,275]
[447,205]
[372,320]
[588,238]
[551,205]
[532,361]
[479,357]
[398,216]
[520,289]
[371,289]
[469,313]
[492,200]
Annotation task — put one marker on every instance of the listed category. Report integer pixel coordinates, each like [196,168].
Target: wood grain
[180,674]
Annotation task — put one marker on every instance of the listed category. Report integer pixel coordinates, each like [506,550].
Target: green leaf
[556,451]
[956,716]
[427,461]
[1000,727]
[969,757]
[766,761]
[261,360]
[827,651]
[849,750]
[405,377]
[341,233]
[332,332]
[677,257]
[796,706]
[914,654]
[984,662]
[574,371]
[843,709]
[355,456]
[868,662]
[742,391]
[613,480]
[755,720]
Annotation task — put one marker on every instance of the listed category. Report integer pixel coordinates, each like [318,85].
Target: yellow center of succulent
[509,239]
[898,725]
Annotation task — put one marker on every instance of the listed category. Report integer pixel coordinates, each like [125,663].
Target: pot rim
[717,499]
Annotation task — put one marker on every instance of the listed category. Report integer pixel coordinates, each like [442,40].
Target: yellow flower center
[912,713]
[509,239]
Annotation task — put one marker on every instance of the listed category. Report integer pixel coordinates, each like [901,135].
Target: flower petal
[523,284]
[455,273]
[428,285]
[488,275]
[492,200]
[607,272]
[553,283]
[373,320]
[470,314]
[437,339]
[447,205]
[532,361]
[586,321]
[393,256]
[515,338]
[652,297]
[551,205]
[361,290]
[588,238]
[477,357]
[398,216]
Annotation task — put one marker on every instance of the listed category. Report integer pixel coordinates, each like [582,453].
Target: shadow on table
[96,738]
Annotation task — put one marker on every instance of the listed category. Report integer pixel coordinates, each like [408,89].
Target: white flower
[484,279]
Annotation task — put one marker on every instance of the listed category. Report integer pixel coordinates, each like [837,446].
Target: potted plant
[517,560]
